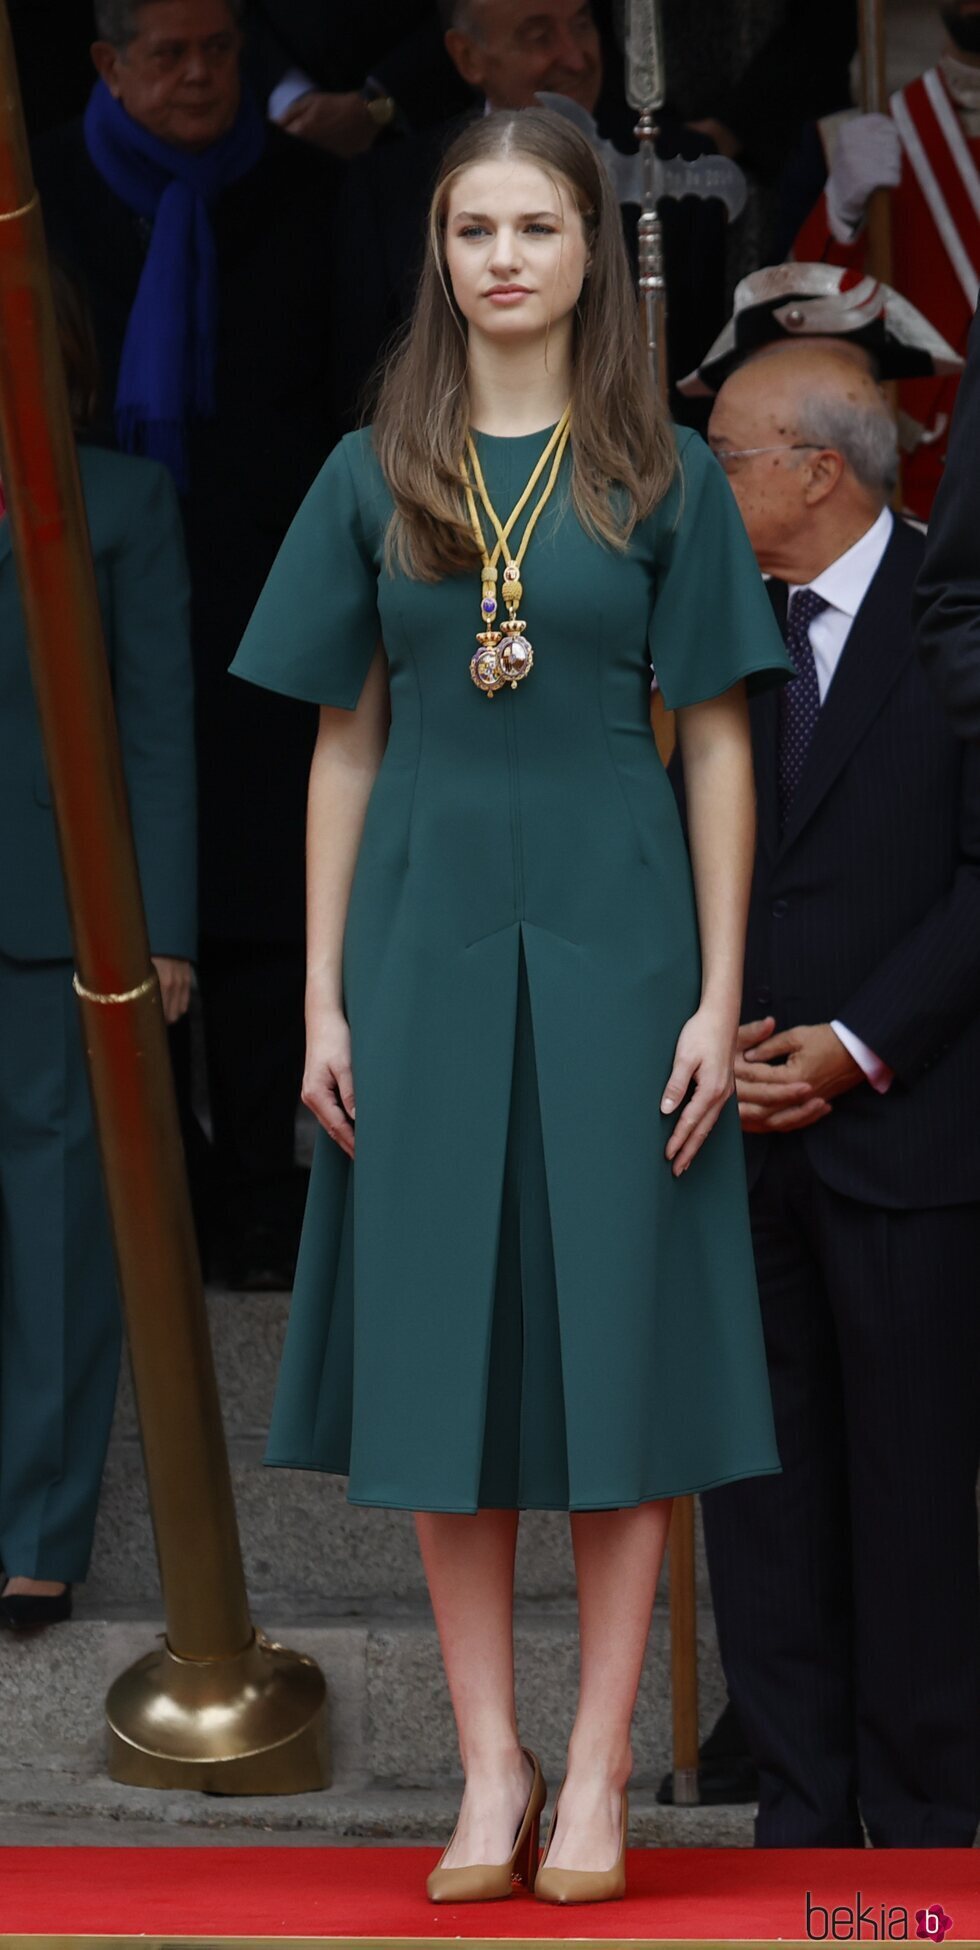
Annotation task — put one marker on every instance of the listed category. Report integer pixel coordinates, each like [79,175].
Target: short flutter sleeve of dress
[315,627]
[712,623]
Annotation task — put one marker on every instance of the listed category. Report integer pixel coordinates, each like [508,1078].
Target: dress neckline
[513,439]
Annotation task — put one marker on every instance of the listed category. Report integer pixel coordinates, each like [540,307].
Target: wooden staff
[874,101]
[646,91]
[215,1706]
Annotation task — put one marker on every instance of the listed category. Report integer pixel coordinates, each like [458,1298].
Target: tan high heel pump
[486,1882]
[583,1885]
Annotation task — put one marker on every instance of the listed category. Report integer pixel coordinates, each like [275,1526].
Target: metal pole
[646,91]
[650,243]
[653,292]
[215,1706]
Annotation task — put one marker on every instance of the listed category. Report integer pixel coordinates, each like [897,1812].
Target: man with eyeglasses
[846,1589]
[795,303]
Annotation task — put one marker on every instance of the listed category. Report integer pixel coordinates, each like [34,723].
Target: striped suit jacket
[867,908]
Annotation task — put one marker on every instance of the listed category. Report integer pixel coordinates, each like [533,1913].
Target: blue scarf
[167,369]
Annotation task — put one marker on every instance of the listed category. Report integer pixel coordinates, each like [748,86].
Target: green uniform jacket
[537,826]
[137,544]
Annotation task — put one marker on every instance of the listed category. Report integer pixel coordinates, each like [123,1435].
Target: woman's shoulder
[110,472]
[357,452]
[699,489]
[351,491]
[123,490]
[352,468]
[694,456]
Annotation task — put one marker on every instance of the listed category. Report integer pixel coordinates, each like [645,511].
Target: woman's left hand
[175,986]
[705,1055]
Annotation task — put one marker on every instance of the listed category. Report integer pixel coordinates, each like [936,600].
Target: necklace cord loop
[558,441]
[505,656]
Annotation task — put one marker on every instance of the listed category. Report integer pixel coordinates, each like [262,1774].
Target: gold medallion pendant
[505,655]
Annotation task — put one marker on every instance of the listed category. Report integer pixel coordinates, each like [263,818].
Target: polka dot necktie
[799,700]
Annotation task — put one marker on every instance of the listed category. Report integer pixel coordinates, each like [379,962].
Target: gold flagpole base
[254,1723]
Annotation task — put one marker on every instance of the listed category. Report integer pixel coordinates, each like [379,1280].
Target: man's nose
[197,67]
[573,53]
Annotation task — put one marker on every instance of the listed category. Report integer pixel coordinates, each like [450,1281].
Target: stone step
[247,1331]
[303,1543]
[345,1585]
[40,1809]
[391,1725]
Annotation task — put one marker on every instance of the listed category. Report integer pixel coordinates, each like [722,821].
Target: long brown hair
[76,337]
[623,455]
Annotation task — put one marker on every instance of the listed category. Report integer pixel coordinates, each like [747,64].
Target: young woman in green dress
[514,1291]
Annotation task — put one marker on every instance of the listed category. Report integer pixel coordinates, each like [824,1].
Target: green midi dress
[508,1299]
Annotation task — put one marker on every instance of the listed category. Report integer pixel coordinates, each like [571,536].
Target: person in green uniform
[59,1308]
[528,1281]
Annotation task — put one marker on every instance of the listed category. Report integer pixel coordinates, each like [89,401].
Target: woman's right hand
[328,1080]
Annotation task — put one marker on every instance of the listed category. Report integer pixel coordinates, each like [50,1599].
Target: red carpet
[716,1895]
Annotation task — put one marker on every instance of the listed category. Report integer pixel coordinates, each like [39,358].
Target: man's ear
[825,469]
[464,54]
[106,59]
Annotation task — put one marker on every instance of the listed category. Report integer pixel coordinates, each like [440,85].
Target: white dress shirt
[843,587]
[294,84]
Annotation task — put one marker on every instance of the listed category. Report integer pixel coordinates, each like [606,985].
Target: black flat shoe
[27,1612]
[261,1260]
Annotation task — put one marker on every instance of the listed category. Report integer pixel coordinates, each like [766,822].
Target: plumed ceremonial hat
[793,301]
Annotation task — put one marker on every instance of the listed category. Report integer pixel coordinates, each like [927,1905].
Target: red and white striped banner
[940,159]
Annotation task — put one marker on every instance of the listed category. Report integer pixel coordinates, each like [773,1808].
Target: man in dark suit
[846,1588]
[947,596]
[339,76]
[800,71]
[506,61]
[247,455]
[51,46]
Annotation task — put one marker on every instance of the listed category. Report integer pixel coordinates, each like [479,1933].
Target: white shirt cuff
[840,227]
[878,1074]
[287,91]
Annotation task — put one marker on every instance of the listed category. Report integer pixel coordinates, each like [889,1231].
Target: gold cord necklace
[505,656]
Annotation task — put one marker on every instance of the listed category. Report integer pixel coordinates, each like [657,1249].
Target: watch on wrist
[382,108]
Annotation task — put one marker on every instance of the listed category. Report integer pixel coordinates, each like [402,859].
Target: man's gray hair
[864,435]
[464,15]
[117,21]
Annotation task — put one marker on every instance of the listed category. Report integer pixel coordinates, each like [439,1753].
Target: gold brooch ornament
[505,655]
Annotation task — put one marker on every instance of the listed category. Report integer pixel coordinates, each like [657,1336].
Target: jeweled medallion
[485,670]
[505,656]
[515,657]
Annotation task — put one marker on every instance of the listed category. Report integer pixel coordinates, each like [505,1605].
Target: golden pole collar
[10,216]
[128,995]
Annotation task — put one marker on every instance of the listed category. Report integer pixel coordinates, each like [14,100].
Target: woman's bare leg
[618,1555]
[469,1565]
